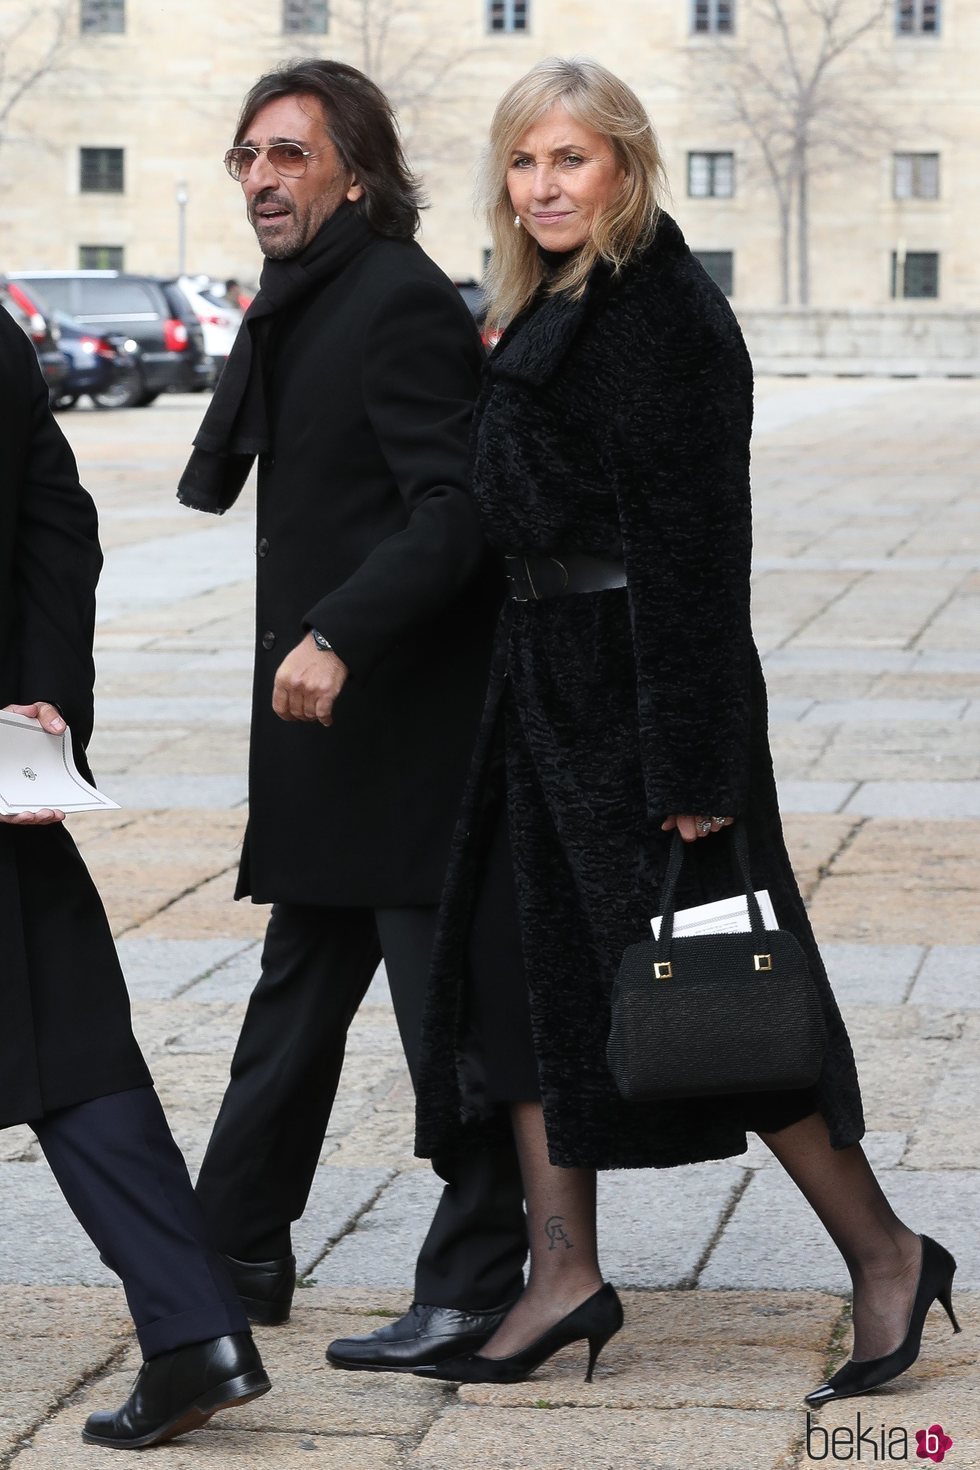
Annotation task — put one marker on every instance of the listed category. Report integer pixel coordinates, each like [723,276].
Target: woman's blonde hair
[597,98]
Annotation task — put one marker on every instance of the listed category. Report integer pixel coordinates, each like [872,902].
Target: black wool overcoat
[619,425]
[367,531]
[65,1035]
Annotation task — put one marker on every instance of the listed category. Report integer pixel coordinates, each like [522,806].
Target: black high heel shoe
[596,1320]
[935,1285]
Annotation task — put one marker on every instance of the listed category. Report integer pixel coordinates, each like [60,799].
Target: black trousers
[317,964]
[126,1183]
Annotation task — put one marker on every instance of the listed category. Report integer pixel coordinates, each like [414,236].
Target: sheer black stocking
[561,1227]
[882,1255]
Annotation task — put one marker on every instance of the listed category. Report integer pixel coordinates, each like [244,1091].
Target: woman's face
[560,177]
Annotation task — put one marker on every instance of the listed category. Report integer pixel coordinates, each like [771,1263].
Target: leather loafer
[179,1391]
[424,1335]
[265,1287]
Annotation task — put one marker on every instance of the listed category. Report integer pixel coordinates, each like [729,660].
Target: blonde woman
[611,459]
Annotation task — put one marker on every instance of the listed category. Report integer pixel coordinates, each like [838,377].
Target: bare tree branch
[20,75]
[787,91]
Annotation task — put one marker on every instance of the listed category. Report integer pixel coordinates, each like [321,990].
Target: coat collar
[532,354]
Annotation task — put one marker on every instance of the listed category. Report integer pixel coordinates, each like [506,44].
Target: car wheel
[145,399]
[126,392]
[64,401]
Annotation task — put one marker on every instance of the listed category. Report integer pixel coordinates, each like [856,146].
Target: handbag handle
[678,846]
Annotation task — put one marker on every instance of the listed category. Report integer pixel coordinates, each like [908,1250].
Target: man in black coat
[352,382]
[69,1063]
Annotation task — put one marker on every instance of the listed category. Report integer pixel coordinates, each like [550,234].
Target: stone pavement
[867,608]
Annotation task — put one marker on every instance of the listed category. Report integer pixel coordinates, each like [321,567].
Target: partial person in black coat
[611,467]
[352,382]
[69,1063]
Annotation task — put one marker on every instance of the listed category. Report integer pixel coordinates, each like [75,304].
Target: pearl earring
[517,221]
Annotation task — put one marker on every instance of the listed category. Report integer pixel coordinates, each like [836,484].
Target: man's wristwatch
[320,641]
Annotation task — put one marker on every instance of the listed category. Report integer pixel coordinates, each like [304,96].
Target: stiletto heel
[596,1344]
[945,1299]
[595,1321]
[935,1285]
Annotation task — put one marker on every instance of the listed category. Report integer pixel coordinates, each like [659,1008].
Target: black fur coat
[619,424]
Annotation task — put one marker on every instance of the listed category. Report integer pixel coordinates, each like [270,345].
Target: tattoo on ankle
[557,1234]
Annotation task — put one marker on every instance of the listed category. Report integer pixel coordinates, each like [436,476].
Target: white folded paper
[726,916]
[38,771]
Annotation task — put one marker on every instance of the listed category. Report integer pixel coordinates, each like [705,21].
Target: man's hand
[692,827]
[52,722]
[307,683]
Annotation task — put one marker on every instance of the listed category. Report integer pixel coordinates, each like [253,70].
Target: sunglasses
[288,159]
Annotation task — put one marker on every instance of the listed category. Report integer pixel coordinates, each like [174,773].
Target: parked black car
[105,368]
[43,332]
[170,349]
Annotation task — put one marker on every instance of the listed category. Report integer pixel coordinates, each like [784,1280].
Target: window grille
[101,171]
[508,15]
[100,257]
[917,17]
[916,176]
[919,278]
[305,16]
[102,17]
[713,17]
[720,265]
[711,175]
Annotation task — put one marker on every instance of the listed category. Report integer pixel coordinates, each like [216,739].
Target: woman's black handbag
[714,1013]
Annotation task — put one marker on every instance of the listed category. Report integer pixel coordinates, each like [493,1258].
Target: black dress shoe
[179,1391]
[423,1335]
[935,1285]
[265,1287]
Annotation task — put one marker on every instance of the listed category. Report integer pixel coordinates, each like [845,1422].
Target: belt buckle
[522,587]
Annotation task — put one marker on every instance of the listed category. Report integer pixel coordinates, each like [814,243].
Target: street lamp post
[182,195]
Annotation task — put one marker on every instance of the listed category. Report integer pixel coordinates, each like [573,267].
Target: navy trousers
[126,1182]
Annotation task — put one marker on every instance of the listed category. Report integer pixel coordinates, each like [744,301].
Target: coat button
[268,640]
[263,547]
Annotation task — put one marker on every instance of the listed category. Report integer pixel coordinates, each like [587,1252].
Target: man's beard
[293,231]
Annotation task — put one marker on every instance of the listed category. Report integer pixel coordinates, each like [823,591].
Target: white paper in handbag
[726,916]
[38,770]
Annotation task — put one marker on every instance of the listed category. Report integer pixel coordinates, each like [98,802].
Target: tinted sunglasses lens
[287,159]
[238,161]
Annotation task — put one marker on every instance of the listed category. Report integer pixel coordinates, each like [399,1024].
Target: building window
[100,257]
[103,17]
[100,170]
[916,176]
[720,265]
[713,17]
[508,15]
[919,277]
[308,16]
[917,17]
[711,175]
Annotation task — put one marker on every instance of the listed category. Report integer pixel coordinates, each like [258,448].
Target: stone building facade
[139,111]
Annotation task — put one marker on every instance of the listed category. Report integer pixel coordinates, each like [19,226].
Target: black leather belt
[535,577]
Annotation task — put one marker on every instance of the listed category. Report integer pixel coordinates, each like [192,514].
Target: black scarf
[235,428]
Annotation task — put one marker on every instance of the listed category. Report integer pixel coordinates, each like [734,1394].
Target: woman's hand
[693,827]
[50,720]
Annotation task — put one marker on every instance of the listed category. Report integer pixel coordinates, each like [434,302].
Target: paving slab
[161,968]
[880,974]
[515,1439]
[949,978]
[815,796]
[773,1239]
[656,1224]
[170,793]
[933,800]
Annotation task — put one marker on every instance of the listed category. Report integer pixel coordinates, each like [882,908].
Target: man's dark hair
[362,127]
